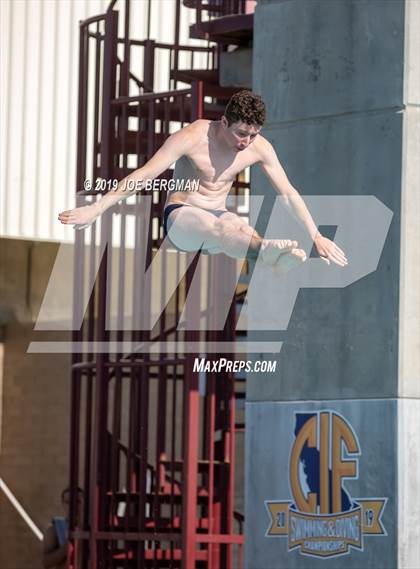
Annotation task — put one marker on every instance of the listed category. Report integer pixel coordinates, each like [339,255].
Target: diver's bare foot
[272,249]
[290,260]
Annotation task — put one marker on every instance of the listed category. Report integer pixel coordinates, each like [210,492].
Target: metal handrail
[92,20]
[150,96]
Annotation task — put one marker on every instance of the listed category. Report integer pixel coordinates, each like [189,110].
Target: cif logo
[323,519]
[317,452]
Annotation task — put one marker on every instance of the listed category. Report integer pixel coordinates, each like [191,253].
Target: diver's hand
[80,217]
[329,251]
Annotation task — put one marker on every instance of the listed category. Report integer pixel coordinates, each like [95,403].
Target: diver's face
[240,135]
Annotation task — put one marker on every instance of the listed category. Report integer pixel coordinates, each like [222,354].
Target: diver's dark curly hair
[245,106]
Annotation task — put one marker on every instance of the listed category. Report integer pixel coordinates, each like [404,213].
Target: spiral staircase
[153,442]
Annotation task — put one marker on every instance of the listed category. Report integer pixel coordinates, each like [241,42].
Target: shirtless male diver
[214,152]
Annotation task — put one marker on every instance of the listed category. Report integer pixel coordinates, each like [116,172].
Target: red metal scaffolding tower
[152,441]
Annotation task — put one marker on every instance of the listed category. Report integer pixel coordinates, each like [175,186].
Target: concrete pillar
[235,68]
[333,439]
